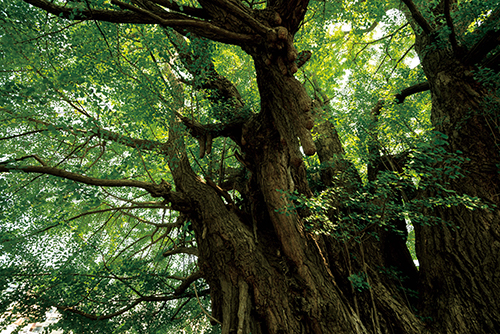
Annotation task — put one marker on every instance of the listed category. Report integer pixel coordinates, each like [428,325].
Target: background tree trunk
[460,256]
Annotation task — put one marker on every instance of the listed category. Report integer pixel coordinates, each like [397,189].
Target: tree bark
[266,275]
[460,256]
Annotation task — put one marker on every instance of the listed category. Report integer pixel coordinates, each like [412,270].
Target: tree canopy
[250,166]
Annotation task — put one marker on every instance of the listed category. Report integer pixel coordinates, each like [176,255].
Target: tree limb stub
[417,88]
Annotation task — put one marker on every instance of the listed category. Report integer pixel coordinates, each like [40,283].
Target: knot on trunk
[280,50]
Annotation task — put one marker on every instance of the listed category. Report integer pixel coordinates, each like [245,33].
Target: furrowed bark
[459,254]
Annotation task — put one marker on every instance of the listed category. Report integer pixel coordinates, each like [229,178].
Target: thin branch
[119,209]
[386,36]
[401,58]
[204,311]
[34,156]
[129,307]
[180,308]
[182,250]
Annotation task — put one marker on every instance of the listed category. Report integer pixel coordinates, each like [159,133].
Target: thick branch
[204,76]
[489,41]
[291,12]
[187,282]
[83,15]
[142,16]
[449,23]
[215,130]
[199,27]
[244,16]
[141,144]
[156,190]
[417,16]
[420,87]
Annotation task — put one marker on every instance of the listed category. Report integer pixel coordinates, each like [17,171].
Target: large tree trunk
[460,256]
[266,275]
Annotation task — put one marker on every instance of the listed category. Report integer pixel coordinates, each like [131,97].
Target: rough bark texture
[459,258]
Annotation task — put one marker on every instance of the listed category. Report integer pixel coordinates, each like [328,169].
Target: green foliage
[101,100]
[359,282]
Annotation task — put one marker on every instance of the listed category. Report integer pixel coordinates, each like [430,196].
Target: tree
[106,204]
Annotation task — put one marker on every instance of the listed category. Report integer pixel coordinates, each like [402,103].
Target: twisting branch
[418,17]
[113,16]
[208,78]
[205,133]
[142,16]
